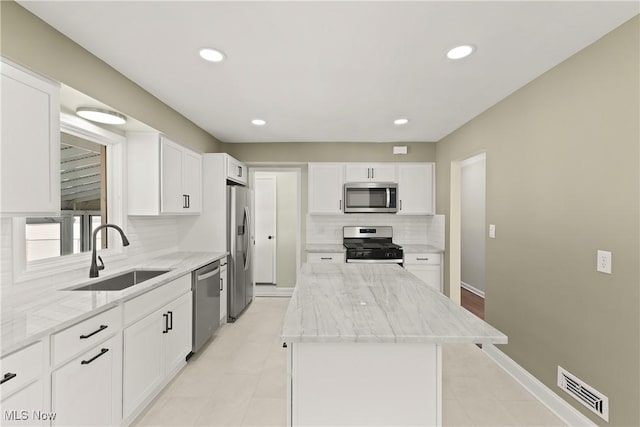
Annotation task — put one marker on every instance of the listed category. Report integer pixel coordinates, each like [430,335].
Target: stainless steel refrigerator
[239,242]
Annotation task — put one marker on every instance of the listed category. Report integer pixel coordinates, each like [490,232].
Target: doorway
[472,233]
[467,231]
[277,205]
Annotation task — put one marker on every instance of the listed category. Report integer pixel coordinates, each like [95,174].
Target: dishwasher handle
[207,275]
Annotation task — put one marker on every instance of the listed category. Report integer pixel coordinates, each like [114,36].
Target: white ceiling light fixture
[258,122]
[461,51]
[211,55]
[400,122]
[100,115]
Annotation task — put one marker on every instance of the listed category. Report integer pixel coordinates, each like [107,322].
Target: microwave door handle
[388,197]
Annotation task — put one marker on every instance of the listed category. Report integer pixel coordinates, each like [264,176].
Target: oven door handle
[375,261]
[388,196]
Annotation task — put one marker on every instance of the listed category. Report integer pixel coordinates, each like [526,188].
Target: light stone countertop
[56,308]
[417,248]
[377,303]
[325,247]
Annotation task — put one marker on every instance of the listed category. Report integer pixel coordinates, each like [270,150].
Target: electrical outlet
[492,231]
[604,262]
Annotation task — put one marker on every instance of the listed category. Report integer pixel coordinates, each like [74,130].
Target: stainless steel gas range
[371,244]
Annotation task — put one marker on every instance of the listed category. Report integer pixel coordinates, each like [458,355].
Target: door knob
[271,237]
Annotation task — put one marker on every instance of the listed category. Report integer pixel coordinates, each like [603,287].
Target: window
[92,193]
[83,203]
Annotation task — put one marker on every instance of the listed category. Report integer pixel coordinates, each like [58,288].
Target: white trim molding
[563,410]
[272,291]
[472,289]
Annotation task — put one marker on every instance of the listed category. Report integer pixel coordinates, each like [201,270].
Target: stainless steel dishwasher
[206,303]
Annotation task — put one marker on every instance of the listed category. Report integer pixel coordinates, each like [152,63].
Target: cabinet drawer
[21,367]
[141,306]
[423,258]
[315,257]
[85,334]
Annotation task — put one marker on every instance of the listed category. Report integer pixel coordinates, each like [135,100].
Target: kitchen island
[364,346]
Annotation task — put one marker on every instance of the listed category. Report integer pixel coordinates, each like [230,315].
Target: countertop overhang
[377,303]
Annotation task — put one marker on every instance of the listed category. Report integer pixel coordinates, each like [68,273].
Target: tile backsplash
[406,229]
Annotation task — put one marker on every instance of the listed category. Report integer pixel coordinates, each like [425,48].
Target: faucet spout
[95,268]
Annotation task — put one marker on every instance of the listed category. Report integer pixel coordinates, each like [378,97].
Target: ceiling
[332,71]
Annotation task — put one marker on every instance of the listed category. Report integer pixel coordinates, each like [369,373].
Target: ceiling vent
[583,393]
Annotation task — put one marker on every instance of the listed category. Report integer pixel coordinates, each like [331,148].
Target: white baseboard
[472,289]
[272,291]
[563,410]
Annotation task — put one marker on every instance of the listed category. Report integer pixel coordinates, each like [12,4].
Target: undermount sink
[123,281]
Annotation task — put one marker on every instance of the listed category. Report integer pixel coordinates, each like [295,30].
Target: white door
[265,230]
[325,188]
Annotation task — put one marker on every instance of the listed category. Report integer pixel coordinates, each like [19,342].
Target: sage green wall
[563,173]
[283,152]
[33,43]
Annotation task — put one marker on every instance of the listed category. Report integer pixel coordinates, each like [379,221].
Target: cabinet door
[357,172]
[325,188]
[85,390]
[143,362]
[416,189]
[30,135]
[223,294]
[172,200]
[236,171]
[192,179]
[430,274]
[178,337]
[19,409]
[381,172]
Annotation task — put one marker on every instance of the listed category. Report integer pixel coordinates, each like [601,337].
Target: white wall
[472,204]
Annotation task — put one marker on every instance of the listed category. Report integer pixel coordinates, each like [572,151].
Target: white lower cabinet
[86,391]
[426,267]
[26,407]
[155,347]
[22,387]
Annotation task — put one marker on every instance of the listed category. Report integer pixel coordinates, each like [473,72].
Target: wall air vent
[584,393]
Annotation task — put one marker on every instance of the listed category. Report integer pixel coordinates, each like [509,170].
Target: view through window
[83,203]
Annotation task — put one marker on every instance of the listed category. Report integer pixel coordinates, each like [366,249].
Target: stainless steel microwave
[370,197]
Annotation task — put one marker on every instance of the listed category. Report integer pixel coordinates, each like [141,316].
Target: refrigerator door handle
[247,233]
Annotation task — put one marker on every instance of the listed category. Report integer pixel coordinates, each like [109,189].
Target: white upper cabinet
[325,188]
[30,144]
[416,189]
[164,177]
[370,172]
[236,171]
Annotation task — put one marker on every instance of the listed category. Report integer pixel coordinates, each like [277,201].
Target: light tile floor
[239,380]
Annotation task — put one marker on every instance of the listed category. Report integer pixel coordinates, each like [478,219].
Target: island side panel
[373,384]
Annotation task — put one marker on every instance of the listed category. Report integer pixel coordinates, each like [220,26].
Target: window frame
[116,208]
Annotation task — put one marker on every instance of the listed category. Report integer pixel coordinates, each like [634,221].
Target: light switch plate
[604,262]
[492,231]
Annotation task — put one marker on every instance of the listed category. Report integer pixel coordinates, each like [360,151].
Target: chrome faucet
[93,271]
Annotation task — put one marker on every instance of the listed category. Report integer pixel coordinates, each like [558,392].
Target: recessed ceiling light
[400,121]
[101,116]
[211,55]
[460,52]
[258,122]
